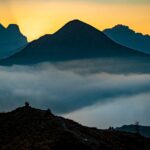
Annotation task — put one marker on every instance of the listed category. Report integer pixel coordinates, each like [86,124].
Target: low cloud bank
[65,91]
[121,111]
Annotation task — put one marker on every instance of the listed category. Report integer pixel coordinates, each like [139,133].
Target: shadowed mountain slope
[11,40]
[76,40]
[30,128]
[127,37]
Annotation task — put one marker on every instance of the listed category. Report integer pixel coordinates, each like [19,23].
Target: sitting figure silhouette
[27,104]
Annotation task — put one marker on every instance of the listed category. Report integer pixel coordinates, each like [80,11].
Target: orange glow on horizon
[37,19]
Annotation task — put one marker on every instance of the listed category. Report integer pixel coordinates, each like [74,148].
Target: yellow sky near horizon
[46,17]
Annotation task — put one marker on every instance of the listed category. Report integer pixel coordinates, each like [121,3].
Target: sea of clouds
[96,99]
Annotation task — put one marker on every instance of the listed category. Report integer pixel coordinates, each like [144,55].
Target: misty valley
[73,88]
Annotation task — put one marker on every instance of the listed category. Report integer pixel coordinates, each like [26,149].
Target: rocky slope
[27,128]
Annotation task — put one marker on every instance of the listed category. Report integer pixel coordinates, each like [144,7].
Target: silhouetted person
[137,127]
[27,104]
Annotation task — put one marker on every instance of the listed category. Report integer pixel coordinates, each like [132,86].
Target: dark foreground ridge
[27,128]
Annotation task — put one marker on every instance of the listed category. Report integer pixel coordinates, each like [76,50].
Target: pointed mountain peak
[121,26]
[120,29]
[13,27]
[77,28]
[76,23]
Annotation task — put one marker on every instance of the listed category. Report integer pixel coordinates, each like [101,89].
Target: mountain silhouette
[32,129]
[75,40]
[144,130]
[125,36]
[11,40]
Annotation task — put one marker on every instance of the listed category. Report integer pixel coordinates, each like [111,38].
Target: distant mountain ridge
[11,40]
[144,130]
[125,36]
[75,40]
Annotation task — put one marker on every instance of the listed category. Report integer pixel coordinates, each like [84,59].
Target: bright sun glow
[44,17]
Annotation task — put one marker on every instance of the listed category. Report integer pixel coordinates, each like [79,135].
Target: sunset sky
[38,17]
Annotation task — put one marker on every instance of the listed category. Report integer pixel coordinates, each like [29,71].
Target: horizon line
[136,32]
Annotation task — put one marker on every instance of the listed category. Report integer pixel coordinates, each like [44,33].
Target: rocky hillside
[27,128]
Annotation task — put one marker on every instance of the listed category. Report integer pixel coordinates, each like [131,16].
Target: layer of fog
[117,113]
[67,91]
[113,65]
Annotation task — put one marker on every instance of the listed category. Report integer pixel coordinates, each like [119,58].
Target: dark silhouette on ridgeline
[125,36]
[11,40]
[74,41]
[27,128]
[27,105]
[48,112]
[137,127]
